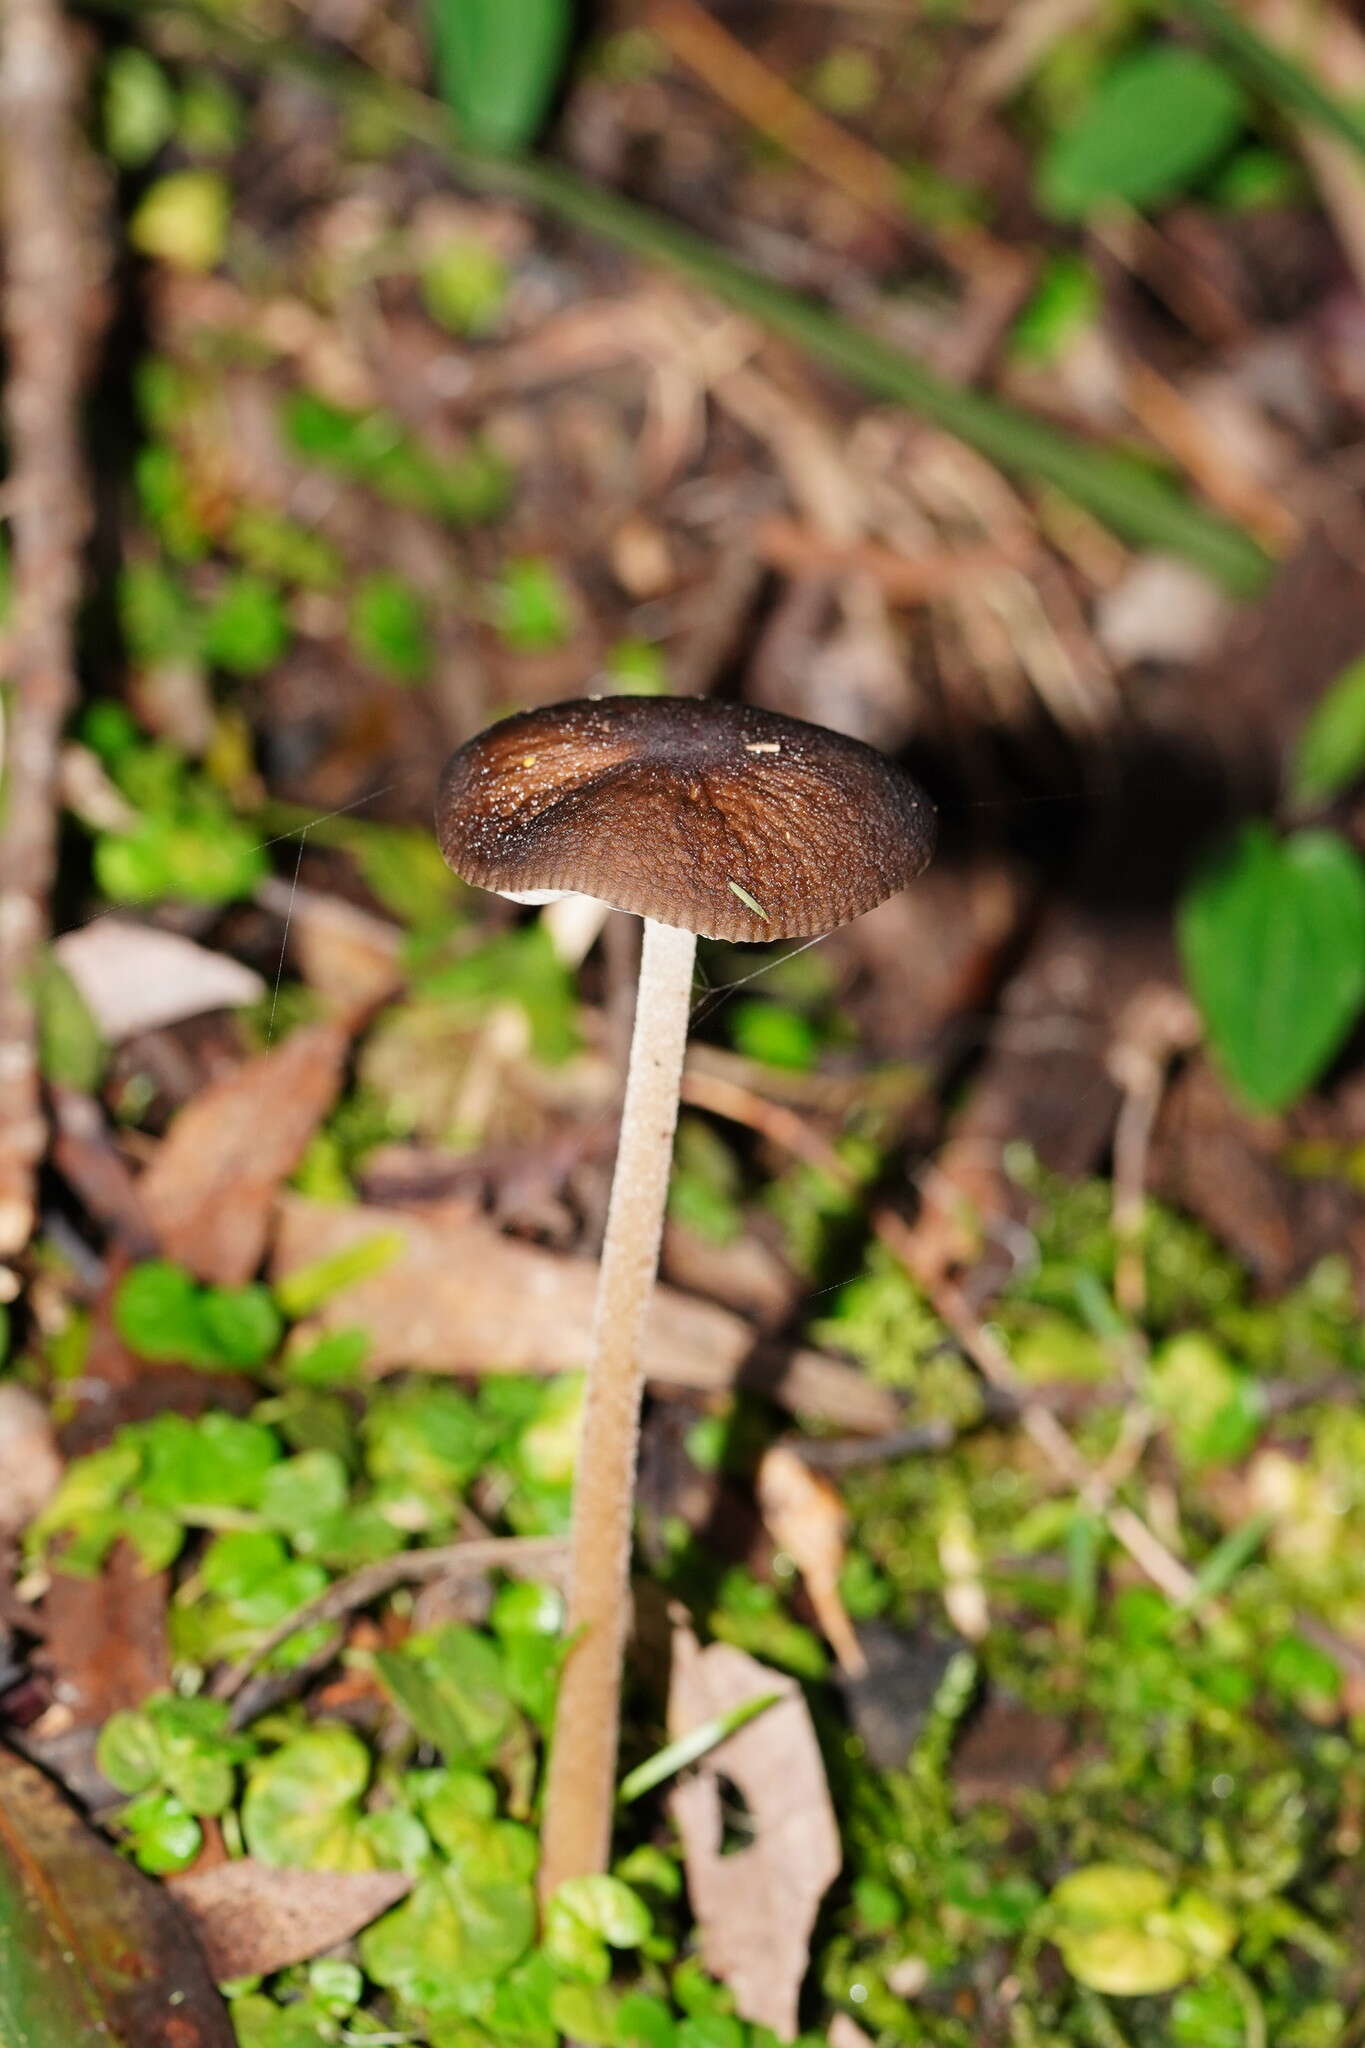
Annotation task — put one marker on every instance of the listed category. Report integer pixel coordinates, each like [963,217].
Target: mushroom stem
[580,1795]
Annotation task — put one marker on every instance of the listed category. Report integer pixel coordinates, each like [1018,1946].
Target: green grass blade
[689,1748]
[1277,75]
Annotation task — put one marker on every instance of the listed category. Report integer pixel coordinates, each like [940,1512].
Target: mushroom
[705,819]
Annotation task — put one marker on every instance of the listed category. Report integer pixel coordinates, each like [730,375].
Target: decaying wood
[44,317]
[461,1297]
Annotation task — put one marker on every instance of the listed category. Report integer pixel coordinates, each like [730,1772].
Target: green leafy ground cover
[1187,1874]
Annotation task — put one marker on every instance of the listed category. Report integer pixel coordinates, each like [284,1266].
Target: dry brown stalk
[44,317]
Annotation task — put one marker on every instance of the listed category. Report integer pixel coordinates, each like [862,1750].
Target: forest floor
[1003,1411]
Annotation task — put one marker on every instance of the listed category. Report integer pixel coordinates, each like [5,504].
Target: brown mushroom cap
[728,821]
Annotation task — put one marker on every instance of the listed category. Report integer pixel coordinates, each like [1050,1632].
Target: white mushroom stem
[581,1792]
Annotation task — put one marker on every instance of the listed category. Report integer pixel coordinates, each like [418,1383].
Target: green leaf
[1331,750]
[128,1752]
[585,2013]
[774,1034]
[611,1909]
[242,1325]
[156,1312]
[465,1925]
[71,1051]
[1213,1411]
[164,1834]
[498,62]
[139,107]
[1065,301]
[302,1804]
[209,858]
[1272,935]
[302,1494]
[1121,1932]
[430,1437]
[1158,121]
[218,1461]
[183,220]
[161,1313]
[1125,1962]
[246,629]
[464,286]
[388,627]
[450,1684]
[532,606]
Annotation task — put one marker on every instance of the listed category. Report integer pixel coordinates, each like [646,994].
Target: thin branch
[44,317]
[522,1556]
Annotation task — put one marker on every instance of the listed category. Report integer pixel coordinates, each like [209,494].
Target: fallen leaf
[30,1463]
[134,977]
[460,1297]
[252,1919]
[208,1192]
[348,955]
[104,1639]
[755,1907]
[805,1516]
[96,1955]
[844,2032]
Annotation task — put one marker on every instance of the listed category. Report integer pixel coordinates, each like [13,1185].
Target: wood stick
[44,320]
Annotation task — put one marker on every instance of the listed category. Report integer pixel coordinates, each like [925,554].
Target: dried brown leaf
[348,955]
[805,1516]
[135,978]
[30,1463]
[756,1906]
[252,1919]
[105,1640]
[462,1298]
[210,1188]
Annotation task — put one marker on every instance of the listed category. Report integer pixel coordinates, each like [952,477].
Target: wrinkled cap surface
[731,822]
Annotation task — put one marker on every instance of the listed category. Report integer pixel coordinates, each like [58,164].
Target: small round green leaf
[1158,121]
[1125,1962]
[128,1752]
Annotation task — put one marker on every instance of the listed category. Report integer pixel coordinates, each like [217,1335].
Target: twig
[1176,425]
[522,1556]
[1330,46]
[44,319]
[1028,30]
[1159,1023]
[903,579]
[765,100]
